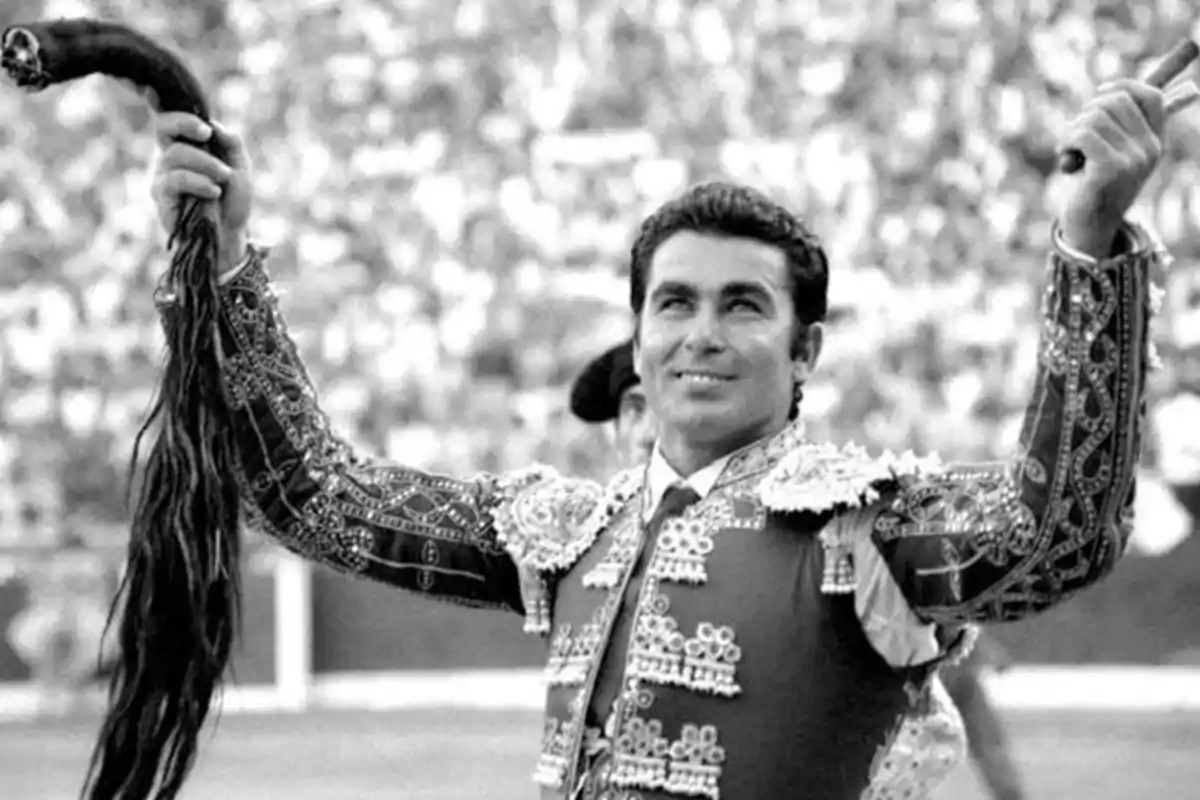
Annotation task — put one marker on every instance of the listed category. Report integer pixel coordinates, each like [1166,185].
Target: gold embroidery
[579,659]
[817,478]
[711,658]
[696,761]
[571,655]
[660,653]
[538,600]
[552,763]
[686,541]
[744,511]
[546,524]
[821,477]
[656,645]
[760,456]
[560,739]
[640,751]
[837,575]
[542,525]
[304,486]
[644,758]
[1002,542]
[556,660]
[622,550]
[921,753]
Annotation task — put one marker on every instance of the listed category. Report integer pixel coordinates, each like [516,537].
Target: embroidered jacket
[871,560]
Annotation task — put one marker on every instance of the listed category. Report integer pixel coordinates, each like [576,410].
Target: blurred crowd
[451,189]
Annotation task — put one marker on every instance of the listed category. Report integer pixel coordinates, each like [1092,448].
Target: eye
[672,304]
[743,304]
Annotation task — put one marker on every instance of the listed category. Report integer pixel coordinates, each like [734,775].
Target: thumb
[234,151]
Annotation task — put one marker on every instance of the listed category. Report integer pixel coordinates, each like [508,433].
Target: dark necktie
[677,498]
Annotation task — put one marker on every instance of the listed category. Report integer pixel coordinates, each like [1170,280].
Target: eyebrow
[737,289]
[743,289]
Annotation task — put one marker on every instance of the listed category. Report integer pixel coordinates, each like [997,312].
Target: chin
[707,427]
[712,426]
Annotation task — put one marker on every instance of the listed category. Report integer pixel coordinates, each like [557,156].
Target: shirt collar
[660,476]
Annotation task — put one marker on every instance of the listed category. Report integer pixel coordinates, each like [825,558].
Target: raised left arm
[1001,542]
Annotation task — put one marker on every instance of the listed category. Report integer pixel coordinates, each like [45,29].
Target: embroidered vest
[739,676]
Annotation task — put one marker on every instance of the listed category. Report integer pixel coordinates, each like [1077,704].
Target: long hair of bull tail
[179,603]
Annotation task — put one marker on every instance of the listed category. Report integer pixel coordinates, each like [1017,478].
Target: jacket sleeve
[1000,542]
[464,541]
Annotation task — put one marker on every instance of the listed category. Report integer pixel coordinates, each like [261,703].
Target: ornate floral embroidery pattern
[1025,535]
[696,761]
[645,758]
[541,522]
[656,644]
[547,525]
[686,541]
[572,653]
[575,659]
[660,653]
[922,752]
[818,478]
[711,658]
[623,549]
[305,487]
[559,740]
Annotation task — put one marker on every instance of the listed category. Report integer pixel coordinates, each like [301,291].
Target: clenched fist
[185,169]
[1120,134]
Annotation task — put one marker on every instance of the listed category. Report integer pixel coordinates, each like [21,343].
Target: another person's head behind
[608,391]
[635,429]
[729,292]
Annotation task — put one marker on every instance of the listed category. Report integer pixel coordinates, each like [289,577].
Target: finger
[1142,121]
[1095,124]
[179,184]
[231,143]
[179,156]
[1173,64]
[171,126]
[1147,99]
[1180,97]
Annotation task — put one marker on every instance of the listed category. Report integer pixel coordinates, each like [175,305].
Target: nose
[705,334]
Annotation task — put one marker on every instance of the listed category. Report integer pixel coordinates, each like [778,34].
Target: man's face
[714,346]
[636,428]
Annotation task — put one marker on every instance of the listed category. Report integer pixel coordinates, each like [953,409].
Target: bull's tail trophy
[179,603]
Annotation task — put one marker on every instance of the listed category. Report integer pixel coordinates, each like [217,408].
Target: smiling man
[608,392]
[757,616]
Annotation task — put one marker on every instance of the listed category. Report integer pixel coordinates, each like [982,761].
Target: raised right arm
[464,541]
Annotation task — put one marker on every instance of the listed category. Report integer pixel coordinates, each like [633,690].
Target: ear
[809,353]
[612,433]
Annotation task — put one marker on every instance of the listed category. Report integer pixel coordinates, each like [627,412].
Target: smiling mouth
[701,377]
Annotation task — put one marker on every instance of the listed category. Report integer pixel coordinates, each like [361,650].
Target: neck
[689,457]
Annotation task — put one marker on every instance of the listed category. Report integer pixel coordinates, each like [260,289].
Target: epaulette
[547,522]
[824,477]
[821,477]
